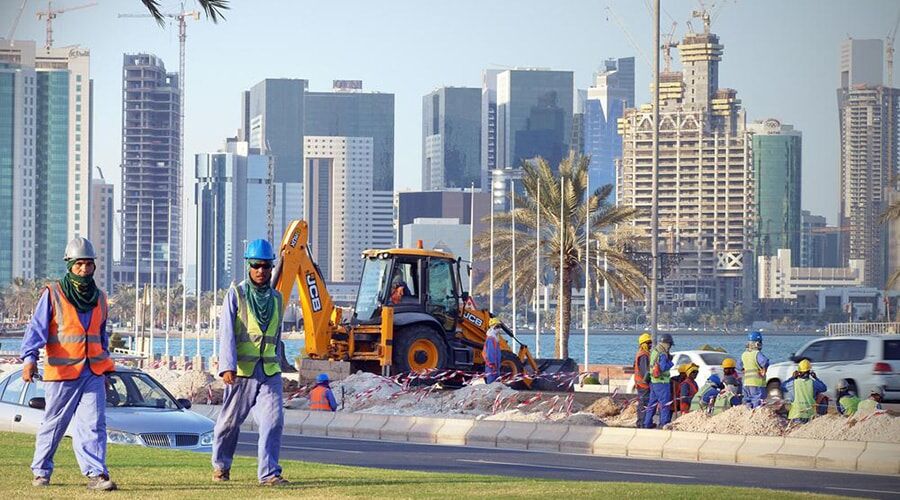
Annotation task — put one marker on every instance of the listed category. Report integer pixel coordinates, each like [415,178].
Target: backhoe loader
[411,315]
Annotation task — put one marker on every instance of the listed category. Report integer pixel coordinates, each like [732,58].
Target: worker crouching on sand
[688,388]
[847,400]
[491,351]
[732,381]
[873,402]
[321,398]
[70,322]
[642,375]
[660,387]
[250,339]
[806,389]
[753,366]
[707,397]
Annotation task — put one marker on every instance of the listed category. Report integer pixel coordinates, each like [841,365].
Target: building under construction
[151,168]
[704,182]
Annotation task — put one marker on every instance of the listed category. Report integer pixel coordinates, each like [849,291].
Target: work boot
[40,481]
[220,475]
[101,483]
[274,481]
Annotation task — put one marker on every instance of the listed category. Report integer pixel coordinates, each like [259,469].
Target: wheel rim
[423,355]
[509,366]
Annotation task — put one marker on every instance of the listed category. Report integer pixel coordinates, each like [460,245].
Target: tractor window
[370,287]
[442,301]
[404,285]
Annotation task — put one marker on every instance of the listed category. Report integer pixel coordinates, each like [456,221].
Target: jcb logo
[474,319]
[313,292]
[294,238]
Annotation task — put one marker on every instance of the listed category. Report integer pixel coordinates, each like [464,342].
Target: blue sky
[782,57]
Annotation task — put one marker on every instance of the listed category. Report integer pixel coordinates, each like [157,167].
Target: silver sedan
[139,411]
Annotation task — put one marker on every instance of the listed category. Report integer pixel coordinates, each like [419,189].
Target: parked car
[864,361]
[709,362]
[139,411]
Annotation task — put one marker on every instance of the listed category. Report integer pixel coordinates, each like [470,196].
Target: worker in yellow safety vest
[753,366]
[805,388]
[249,354]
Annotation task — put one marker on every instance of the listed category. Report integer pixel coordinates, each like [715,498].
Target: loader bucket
[554,374]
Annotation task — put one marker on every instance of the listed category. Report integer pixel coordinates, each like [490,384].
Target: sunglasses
[261,265]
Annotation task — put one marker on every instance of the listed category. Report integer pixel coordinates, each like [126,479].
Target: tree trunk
[564,309]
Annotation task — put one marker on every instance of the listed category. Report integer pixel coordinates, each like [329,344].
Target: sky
[782,57]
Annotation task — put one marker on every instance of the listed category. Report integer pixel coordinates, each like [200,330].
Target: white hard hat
[79,248]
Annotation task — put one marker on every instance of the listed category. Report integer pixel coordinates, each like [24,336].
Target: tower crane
[889,51]
[667,46]
[12,29]
[627,34]
[51,14]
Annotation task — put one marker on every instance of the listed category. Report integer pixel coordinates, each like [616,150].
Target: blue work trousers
[490,375]
[84,399]
[660,399]
[264,397]
[754,396]
[643,397]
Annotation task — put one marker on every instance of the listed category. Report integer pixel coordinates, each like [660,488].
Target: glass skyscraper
[52,169]
[776,173]
[451,138]
[7,148]
[534,116]
[611,93]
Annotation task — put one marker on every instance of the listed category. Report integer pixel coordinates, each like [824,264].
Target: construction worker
[660,388]
[732,381]
[752,366]
[675,382]
[398,291]
[688,387]
[642,375]
[806,388]
[70,323]
[249,353]
[707,397]
[847,400]
[321,398]
[873,402]
[491,351]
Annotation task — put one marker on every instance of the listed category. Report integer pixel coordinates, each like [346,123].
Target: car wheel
[773,390]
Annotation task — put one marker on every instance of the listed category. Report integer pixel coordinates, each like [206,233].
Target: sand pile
[627,417]
[604,407]
[199,387]
[737,420]
[878,426]
[580,418]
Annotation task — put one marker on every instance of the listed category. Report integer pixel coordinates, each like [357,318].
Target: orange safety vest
[318,399]
[639,381]
[69,344]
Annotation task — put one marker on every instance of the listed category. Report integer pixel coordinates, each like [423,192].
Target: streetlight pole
[537,275]
[654,214]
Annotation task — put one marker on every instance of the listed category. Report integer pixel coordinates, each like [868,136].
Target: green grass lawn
[149,473]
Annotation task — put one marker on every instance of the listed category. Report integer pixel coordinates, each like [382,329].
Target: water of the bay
[603,348]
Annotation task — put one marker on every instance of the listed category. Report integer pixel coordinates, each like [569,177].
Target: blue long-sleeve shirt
[38,330]
[227,343]
[818,386]
[491,351]
[761,360]
[664,360]
[709,395]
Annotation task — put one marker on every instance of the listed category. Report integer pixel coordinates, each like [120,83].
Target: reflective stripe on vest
[318,399]
[254,345]
[804,403]
[639,381]
[752,376]
[664,375]
[69,343]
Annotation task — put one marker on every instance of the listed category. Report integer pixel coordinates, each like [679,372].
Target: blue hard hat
[714,380]
[260,250]
[322,378]
[754,337]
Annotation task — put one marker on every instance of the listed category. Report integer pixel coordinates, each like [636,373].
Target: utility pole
[654,215]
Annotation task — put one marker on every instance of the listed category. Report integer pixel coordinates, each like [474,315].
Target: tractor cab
[414,282]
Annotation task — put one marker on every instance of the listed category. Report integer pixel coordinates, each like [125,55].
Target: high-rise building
[337,184]
[446,235]
[47,172]
[868,116]
[820,244]
[101,235]
[151,169]
[776,188]
[704,194]
[488,122]
[445,204]
[534,116]
[233,192]
[578,124]
[611,93]
[451,138]
[348,111]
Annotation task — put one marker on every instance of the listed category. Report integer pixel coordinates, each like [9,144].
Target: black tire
[510,366]
[419,348]
[773,390]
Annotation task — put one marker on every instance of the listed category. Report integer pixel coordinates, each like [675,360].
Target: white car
[709,362]
[864,361]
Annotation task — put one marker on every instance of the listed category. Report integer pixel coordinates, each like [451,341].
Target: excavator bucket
[555,375]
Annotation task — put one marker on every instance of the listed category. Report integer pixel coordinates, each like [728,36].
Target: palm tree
[891,213]
[212,8]
[566,231]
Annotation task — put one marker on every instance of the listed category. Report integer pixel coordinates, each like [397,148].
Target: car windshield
[713,358]
[136,390]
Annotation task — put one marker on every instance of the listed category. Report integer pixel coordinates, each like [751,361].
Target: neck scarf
[261,302]
[81,292]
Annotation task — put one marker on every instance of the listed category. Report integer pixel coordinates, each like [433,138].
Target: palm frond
[891,213]
[152,7]
[214,9]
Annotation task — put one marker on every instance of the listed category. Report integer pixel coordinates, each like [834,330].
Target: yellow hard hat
[691,368]
[728,363]
[644,338]
[804,365]
[682,368]
[494,322]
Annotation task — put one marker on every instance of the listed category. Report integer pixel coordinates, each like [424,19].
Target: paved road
[459,459]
